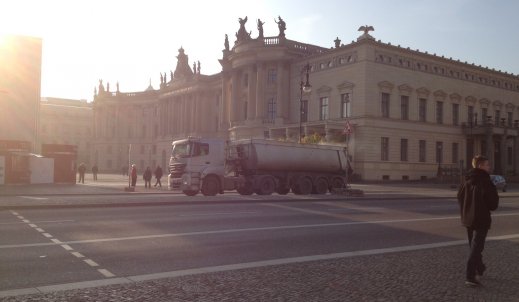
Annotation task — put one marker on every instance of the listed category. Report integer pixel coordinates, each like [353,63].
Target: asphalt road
[44,247]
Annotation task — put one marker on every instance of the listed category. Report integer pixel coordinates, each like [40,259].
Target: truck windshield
[181,150]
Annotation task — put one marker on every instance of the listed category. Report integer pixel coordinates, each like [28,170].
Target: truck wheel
[282,190]
[320,186]
[266,186]
[210,186]
[337,182]
[246,189]
[304,186]
[190,192]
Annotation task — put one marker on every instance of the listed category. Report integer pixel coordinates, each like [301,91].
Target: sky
[132,42]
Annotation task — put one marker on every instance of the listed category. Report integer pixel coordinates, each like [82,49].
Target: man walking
[81,169]
[95,170]
[477,196]
[158,176]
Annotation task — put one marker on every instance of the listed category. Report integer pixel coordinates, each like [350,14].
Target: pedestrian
[158,176]
[477,197]
[147,177]
[95,169]
[81,170]
[134,175]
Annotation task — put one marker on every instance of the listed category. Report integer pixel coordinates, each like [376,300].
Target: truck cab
[193,160]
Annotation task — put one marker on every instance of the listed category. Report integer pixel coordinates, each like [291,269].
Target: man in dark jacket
[477,197]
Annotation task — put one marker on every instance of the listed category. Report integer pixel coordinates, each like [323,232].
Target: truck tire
[246,189]
[282,190]
[303,186]
[210,186]
[266,186]
[337,182]
[320,186]
[190,192]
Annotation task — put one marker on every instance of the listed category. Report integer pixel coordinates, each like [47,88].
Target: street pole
[129,164]
[306,87]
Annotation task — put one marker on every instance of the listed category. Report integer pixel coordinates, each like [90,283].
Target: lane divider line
[78,255]
[106,273]
[90,262]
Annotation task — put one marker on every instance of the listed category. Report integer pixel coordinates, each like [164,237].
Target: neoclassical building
[410,111]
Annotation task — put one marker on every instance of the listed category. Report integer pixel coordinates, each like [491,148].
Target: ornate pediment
[510,106]
[423,92]
[324,89]
[456,98]
[484,103]
[386,86]
[440,95]
[345,86]
[405,89]
[497,104]
[470,100]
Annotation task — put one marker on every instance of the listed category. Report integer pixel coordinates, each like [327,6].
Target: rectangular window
[470,115]
[403,149]
[497,117]
[439,152]
[422,111]
[421,151]
[304,111]
[510,118]
[455,150]
[272,76]
[345,105]
[510,156]
[455,114]
[483,147]
[439,112]
[484,116]
[385,105]
[154,149]
[404,107]
[384,149]
[143,148]
[323,108]
[271,109]
[245,108]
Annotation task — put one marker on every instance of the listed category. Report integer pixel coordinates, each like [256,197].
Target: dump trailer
[260,166]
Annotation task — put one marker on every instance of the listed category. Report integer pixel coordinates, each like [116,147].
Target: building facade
[68,122]
[20,85]
[410,112]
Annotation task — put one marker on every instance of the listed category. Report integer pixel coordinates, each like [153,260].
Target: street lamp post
[304,87]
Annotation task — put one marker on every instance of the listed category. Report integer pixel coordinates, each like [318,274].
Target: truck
[212,166]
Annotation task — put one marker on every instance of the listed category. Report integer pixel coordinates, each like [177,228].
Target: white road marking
[34,198]
[106,273]
[78,255]
[40,230]
[91,262]
[26,221]
[56,241]
[32,225]
[267,228]
[47,235]
[67,247]
[236,266]
[20,217]
[39,222]
[14,213]
[212,214]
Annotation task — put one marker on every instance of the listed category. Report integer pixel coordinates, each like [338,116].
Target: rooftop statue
[366,29]
[226,43]
[282,26]
[260,29]
[242,34]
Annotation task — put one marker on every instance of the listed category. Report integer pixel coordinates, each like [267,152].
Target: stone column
[251,107]
[234,106]
[280,101]
[224,103]
[489,140]
[504,154]
[260,91]
[516,154]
